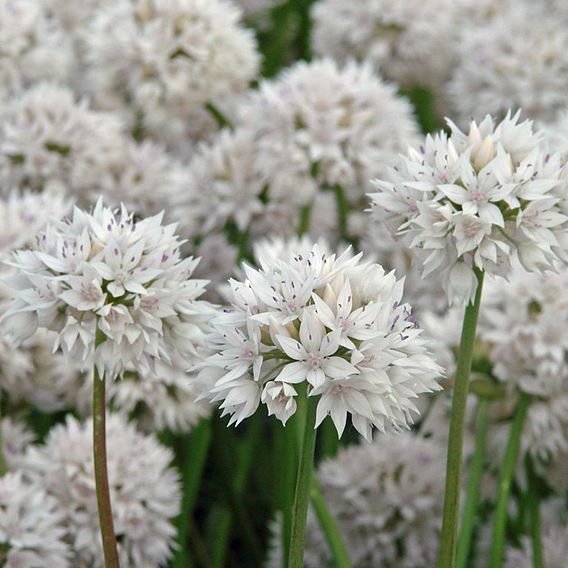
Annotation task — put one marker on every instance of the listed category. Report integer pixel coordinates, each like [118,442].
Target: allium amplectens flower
[144,489]
[478,200]
[107,271]
[31,525]
[335,323]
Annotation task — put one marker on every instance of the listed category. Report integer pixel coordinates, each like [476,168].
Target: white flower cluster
[301,136]
[31,525]
[514,58]
[387,500]
[407,41]
[175,56]
[51,141]
[16,437]
[337,324]
[34,47]
[145,491]
[477,200]
[523,325]
[115,289]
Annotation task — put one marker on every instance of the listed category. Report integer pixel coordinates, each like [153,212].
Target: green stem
[305,215]
[534,515]
[193,465]
[455,439]
[101,471]
[220,118]
[342,211]
[303,484]
[329,439]
[329,527]
[3,467]
[472,497]
[504,489]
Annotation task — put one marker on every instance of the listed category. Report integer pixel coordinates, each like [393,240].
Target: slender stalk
[455,439]
[287,474]
[329,527]
[504,489]
[472,498]
[193,464]
[329,439]
[101,471]
[303,484]
[533,503]
[3,467]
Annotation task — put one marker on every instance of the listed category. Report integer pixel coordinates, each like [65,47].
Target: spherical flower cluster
[144,489]
[115,289]
[48,140]
[399,38]
[523,324]
[320,125]
[175,57]
[477,200]
[34,47]
[334,323]
[31,529]
[514,59]
[387,500]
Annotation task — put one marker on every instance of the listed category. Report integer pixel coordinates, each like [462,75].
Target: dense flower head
[514,58]
[407,41]
[49,140]
[144,489]
[336,324]
[31,525]
[34,47]
[386,498]
[175,57]
[321,125]
[477,200]
[115,289]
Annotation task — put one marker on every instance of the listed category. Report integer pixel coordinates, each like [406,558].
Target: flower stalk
[533,503]
[303,484]
[504,490]
[457,422]
[100,462]
[3,467]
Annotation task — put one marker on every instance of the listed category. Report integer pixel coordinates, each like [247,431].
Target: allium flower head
[175,57]
[387,499]
[335,323]
[144,490]
[107,271]
[477,200]
[513,59]
[31,525]
[48,140]
[34,47]
[523,325]
[407,41]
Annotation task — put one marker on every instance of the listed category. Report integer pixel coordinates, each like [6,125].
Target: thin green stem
[504,489]
[329,439]
[305,217]
[472,497]
[329,527]
[533,504]
[101,471]
[3,467]
[303,485]
[193,465]
[455,439]
[220,118]
[342,210]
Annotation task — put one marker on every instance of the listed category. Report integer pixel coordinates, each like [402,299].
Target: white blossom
[334,323]
[16,437]
[477,200]
[144,490]
[175,57]
[107,271]
[31,525]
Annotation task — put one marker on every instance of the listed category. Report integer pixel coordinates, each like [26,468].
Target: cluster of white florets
[477,200]
[115,289]
[144,489]
[34,47]
[337,325]
[175,57]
